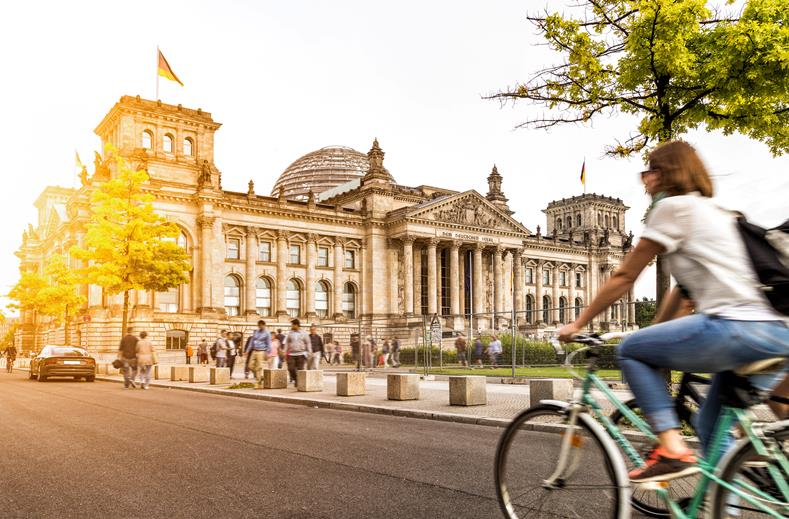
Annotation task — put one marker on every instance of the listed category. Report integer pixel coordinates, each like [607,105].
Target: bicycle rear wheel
[590,485]
[746,470]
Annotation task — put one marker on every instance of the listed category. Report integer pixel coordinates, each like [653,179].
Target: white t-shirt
[706,254]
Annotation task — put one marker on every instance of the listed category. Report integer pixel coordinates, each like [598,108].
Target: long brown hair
[681,169]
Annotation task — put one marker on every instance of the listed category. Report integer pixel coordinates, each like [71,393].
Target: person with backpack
[219,350]
[232,341]
[395,352]
[298,348]
[734,322]
[202,352]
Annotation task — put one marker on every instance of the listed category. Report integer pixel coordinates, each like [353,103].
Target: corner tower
[588,216]
[173,143]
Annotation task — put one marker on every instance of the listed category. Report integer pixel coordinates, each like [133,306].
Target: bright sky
[286,78]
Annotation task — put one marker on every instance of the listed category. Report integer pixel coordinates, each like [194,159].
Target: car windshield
[54,351]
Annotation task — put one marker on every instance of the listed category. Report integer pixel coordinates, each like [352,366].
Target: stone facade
[368,249]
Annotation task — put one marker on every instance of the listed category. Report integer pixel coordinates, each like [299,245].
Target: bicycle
[9,364]
[750,479]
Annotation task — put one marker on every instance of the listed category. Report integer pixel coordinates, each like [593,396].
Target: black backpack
[769,252]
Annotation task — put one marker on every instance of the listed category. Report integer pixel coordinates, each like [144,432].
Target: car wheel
[77,379]
[31,375]
[42,377]
[90,379]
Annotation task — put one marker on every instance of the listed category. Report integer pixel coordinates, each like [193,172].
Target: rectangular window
[263,298]
[349,304]
[546,277]
[322,303]
[233,247]
[323,256]
[350,259]
[167,301]
[295,255]
[578,280]
[529,276]
[563,278]
[264,251]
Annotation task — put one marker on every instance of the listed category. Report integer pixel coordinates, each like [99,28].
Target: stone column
[498,286]
[432,278]
[309,289]
[394,277]
[555,295]
[571,294]
[454,283]
[538,306]
[250,308]
[418,288]
[479,287]
[282,273]
[408,275]
[517,275]
[206,224]
[339,261]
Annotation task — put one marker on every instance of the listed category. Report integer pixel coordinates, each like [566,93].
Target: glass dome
[320,171]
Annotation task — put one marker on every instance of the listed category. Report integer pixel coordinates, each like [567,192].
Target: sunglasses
[647,172]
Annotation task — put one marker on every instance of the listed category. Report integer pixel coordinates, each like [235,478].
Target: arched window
[181,240]
[607,222]
[322,299]
[293,298]
[562,310]
[167,143]
[232,295]
[616,222]
[529,308]
[599,220]
[167,301]
[578,220]
[349,301]
[546,304]
[613,312]
[176,339]
[577,309]
[558,223]
[147,139]
[188,145]
[263,296]
[569,222]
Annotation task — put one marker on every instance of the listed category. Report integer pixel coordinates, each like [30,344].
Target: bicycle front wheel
[547,468]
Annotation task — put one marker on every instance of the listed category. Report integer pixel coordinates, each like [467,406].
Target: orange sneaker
[661,465]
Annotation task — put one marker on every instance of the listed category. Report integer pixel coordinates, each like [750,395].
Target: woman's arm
[672,306]
[620,282]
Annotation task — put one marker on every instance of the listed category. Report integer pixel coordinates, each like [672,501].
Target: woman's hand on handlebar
[567,332]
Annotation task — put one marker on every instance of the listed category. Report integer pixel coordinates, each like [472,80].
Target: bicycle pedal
[653,485]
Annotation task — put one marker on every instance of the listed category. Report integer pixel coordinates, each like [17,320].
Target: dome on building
[320,171]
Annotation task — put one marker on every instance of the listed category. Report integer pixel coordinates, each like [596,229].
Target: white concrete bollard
[402,386]
[179,372]
[219,375]
[198,374]
[351,383]
[309,380]
[550,389]
[161,372]
[468,390]
[275,378]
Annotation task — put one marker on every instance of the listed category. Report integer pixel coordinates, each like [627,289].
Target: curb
[341,406]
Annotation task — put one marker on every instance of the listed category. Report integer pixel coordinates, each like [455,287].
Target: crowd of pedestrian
[136,356]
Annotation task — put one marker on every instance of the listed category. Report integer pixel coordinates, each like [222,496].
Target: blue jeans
[700,344]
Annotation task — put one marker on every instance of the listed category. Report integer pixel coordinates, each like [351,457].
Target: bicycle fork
[569,455]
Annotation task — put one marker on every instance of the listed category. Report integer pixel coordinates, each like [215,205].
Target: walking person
[395,352]
[189,352]
[460,348]
[127,353]
[494,350]
[373,351]
[202,352]
[478,352]
[297,349]
[317,348]
[336,356]
[276,348]
[220,348]
[247,353]
[366,353]
[281,338]
[232,352]
[259,350]
[146,358]
[10,357]
[385,349]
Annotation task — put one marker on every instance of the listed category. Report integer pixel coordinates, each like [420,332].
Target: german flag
[583,173]
[165,71]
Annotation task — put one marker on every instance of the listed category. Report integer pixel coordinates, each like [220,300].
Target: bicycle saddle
[760,366]
[737,390]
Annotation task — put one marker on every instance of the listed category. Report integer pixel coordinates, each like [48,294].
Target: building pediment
[468,209]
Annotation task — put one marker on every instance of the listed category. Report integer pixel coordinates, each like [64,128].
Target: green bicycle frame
[728,418]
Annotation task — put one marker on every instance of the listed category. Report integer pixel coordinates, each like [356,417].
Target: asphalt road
[78,449]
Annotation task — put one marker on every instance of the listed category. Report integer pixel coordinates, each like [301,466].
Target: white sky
[286,78]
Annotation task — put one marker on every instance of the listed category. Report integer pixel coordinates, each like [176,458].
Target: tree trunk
[66,330]
[125,320]
[662,280]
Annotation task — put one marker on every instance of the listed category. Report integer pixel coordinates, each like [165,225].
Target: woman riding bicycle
[734,323]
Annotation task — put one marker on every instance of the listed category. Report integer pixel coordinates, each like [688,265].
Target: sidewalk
[505,401]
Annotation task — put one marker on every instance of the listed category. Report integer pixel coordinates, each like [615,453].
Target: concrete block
[402,386]
[161,372]
[219,375]
[179,372]
[198,374]
[309,380]
[468,390]
[351,383]
[275,378]
[550,389]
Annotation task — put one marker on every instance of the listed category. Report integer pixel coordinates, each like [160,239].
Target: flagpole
[584,174]
[157,73]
